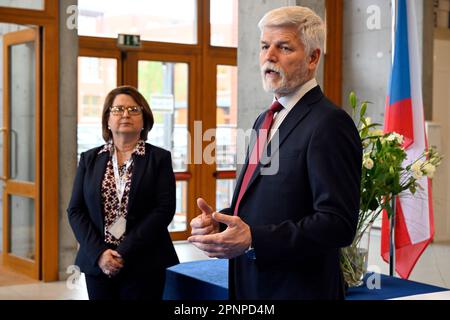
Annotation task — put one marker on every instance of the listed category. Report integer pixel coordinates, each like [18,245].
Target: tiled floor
[432,268]
[71,290]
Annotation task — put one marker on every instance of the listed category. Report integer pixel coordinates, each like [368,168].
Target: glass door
[21,144]
[166,83]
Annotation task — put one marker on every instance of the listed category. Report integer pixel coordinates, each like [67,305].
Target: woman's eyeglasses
[120,110]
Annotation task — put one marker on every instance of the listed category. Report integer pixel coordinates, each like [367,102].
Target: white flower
[417,175]
[394,136]
[416,166]
[367,163]
[429,170]
[417,169]
[368,121]
[399,138]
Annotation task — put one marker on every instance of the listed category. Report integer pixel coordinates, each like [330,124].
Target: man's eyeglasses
[120,110]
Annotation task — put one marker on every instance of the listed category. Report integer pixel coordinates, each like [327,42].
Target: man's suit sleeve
[85,232]
[333,160]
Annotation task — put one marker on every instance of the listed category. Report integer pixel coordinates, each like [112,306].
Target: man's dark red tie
[258,148]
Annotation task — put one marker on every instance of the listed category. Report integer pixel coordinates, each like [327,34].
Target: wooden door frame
[226,59]
[334,47]
[131,76]
[48,20]
[127,73]
[23,189]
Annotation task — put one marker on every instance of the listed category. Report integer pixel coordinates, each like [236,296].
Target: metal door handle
[14,133]
[4,130]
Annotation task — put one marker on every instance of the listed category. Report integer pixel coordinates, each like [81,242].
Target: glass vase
[354,258]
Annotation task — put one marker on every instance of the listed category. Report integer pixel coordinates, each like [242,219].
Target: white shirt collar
[289,101]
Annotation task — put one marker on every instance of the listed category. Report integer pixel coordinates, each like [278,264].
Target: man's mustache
[271,67]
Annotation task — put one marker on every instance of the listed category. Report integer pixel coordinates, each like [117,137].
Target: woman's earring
[109,128]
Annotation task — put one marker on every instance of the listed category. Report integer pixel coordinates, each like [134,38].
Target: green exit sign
[129,41]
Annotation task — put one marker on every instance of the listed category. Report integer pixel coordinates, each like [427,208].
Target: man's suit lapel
[251,144]
[99,173]
[294,117]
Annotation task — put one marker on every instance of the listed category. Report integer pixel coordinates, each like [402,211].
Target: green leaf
[373,125]
[352,100]
[379,146]
[363,109]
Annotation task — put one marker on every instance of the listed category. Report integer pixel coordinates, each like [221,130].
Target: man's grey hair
[311,29]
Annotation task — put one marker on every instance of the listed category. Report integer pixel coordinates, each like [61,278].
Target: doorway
[29,141]
[20,175]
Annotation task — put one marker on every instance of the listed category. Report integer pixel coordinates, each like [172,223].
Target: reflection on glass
[224,193]
[155,20]
[22,135]
[22,238]
[96,77]
[179,222]
[23,4]
[226,117]
[165,86]
[224,23]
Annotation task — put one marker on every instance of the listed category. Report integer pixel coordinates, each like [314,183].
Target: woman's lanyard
[121,181]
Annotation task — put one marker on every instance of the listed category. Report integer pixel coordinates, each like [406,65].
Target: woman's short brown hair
[147,114]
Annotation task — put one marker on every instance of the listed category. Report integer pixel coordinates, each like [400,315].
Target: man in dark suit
[285,227]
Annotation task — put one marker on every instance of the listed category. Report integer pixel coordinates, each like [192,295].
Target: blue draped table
[208,280]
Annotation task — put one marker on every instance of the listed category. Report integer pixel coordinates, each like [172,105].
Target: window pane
[165,86]
[22,237]
[22,96]
[226,100]
[179,222]
[96,77]
[166,21]
[224,23]
[224,193]
[23,4]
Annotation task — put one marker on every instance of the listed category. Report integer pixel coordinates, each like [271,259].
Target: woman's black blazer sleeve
[84,225]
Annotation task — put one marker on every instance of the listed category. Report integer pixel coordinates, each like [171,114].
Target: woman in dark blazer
[122,202]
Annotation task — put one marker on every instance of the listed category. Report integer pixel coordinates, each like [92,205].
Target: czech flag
[404,114]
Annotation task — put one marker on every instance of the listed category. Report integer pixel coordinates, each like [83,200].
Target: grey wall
[368,53]
[68,44]
[427,66]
